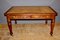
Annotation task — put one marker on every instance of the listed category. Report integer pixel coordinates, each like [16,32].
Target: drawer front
[31,17]
[21,17]
[41,17]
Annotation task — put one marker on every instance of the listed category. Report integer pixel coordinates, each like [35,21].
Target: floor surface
[30,32]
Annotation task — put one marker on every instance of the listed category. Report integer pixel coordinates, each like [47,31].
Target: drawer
[40,16]
[21,17]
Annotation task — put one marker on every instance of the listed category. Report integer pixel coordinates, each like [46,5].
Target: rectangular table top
[30,9]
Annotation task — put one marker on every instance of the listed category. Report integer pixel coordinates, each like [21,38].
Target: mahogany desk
[30,13]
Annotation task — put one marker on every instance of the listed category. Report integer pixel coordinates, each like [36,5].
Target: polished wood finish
[31,13]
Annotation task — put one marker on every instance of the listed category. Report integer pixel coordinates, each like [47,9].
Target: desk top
[30,9]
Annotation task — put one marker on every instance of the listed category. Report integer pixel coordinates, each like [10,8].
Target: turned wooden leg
[52,26]
[15,21]
[10,26]
[46,22]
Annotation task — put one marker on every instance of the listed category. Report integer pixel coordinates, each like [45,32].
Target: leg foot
[51,34]
[11,34]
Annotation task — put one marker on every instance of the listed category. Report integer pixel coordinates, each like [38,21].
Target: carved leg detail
[10,26]
[52,26]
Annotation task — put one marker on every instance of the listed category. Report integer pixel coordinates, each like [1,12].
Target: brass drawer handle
[33,16]
[14,17]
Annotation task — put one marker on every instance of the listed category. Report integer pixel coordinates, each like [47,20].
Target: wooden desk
[30,13]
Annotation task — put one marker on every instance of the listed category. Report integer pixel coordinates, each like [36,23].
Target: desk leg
[15,21]
[46,22]
[10,26]
[52,26]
